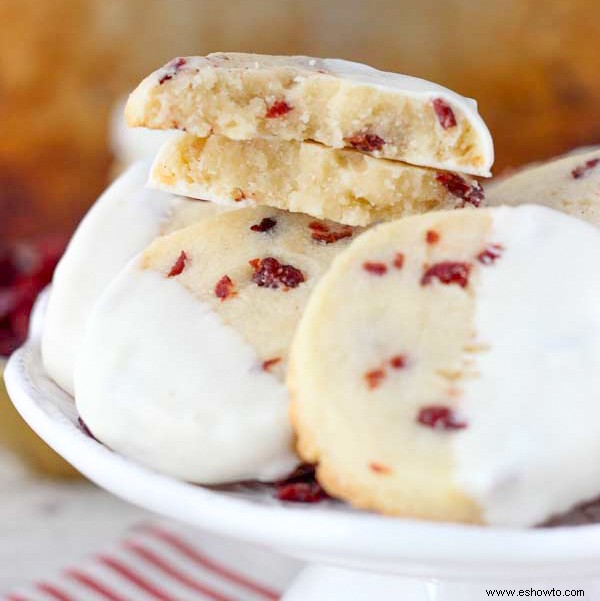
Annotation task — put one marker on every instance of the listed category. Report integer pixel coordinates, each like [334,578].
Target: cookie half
[122,222]
[341,185]
[448,367]
[570,184]
[335,102]
[182,367]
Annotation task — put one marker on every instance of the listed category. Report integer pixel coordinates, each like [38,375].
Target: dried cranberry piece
[460,187]
[270,362]
[399,261]
[447,272]
[264,226]
[374,378]
[439,417]
[270,273]
[238,195]
[366,142]
[432,237]
[332,237]
[582,170]
[490,254]
[317,226]
[398,361]
[301,492]
[444,113]
[376,268]
[225,288]
[179,265]
[278,109]
[172,68]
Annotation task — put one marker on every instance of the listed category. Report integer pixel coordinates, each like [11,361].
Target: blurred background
[67,65]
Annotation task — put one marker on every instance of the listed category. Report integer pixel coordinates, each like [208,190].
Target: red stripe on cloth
[208,563]
[94,585]
[153,559]
[53,591]
[134,578]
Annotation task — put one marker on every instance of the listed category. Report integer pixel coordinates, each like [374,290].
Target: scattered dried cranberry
[439,417]
[332,237]
[179,265]
[238,195]
[581,170]
[301,492]
[432,237]
[270,362]
[378,468]
[375,268]
[447,272]
[374,378]
[460,187]
[490,254]
[366,142]
[398,361]
[317,226]
[277,109]
[399,261]
[270,273]
[171,68]
[264,226]
[444,113]
[225,288]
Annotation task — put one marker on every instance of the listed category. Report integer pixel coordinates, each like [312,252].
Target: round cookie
[122,222]
[335,102]
[448,367]
[184,357]
[570,184]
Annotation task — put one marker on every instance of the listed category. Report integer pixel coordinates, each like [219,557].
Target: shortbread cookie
[124,220]
[335,102]
[448,367]
[343,185]
[184,358]
[570,184]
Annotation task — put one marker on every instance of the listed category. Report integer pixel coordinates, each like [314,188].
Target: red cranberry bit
[366,142]
[278,109]
[432,237]
[270,362]
[379,468]
[264,226]
[332,237]
[254,263]
[439,417]
[399,261]
[375,268]
[447,272]
[460,187]
[172,69]
[270,273]
[490,254]
[374,378]
[398,361]
[300,492]
[582,170]
[238,195]
[179,265]
[317,226]
[225,288]
[444,113]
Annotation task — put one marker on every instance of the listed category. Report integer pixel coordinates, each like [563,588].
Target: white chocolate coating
[163,380]
[532,445]
[123,221]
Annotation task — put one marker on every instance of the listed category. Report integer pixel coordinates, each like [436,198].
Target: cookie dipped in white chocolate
[185,354]
[335,102]
[447,367]
[122,222]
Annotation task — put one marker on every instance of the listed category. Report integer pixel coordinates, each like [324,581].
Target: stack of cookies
[244,283]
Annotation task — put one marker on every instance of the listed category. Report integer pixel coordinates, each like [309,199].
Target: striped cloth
[160,562]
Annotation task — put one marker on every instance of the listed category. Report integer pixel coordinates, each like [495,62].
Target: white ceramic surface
[325,533]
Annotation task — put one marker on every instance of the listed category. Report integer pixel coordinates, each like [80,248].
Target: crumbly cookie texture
[430,368]
[183,363]
[570,184]
[335,102]
[122,222]
[338,184]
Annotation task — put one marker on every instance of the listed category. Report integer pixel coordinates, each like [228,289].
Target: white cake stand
[351,555]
